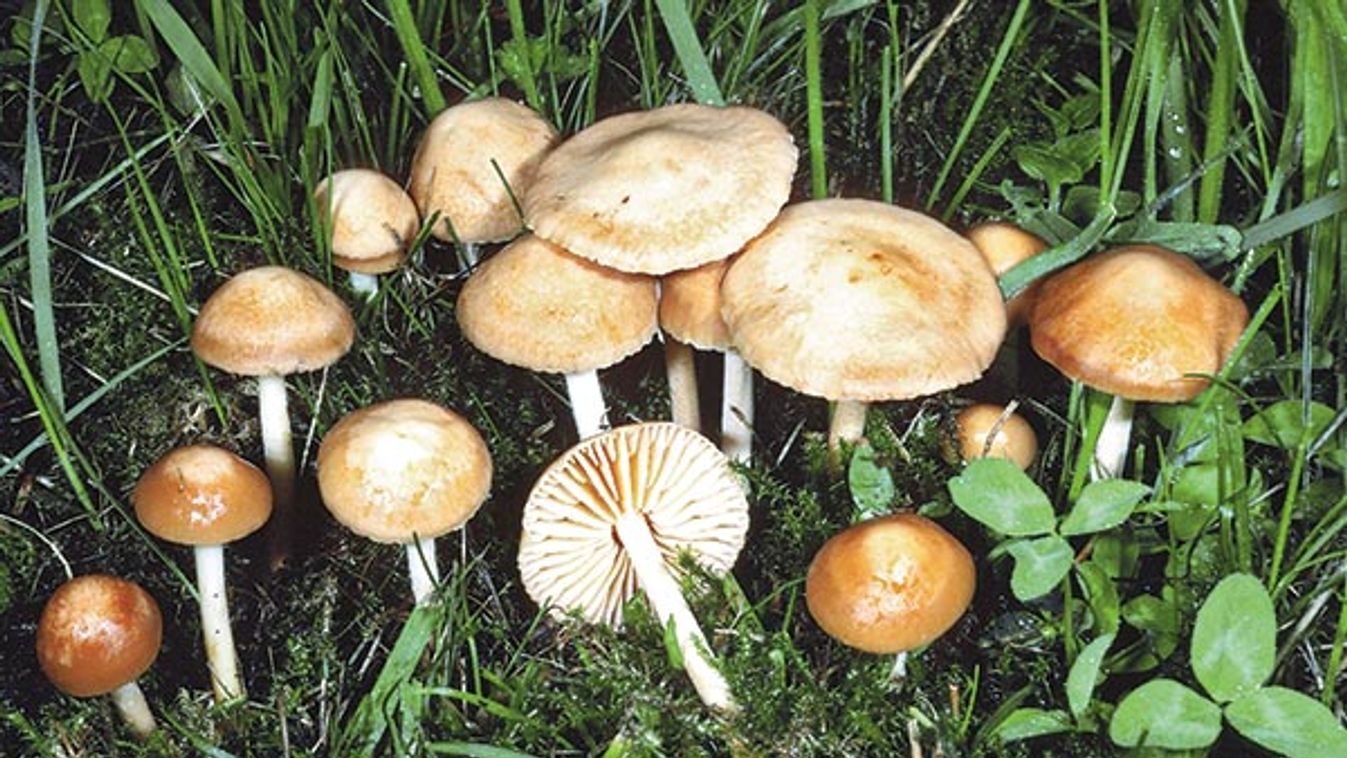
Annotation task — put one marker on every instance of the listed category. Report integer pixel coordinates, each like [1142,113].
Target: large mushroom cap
[403,469]
[890,584]
[534,305]
[860,300]
[272,320]
[665,189]
[689,306]
[202,495]
[455,167]
[372,219]
[569,554]
[96,633]
[1005,246]
[1135,321]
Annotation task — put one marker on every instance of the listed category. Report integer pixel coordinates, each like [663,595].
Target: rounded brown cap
[403,469]
[372,219]
[202,495]
[454,171]
[272,320]
[96,633]
[569,553]
[1005,245]
[1135,321]
[860,300]
[689,306]
[890,584]
[534,305]
[665,189]
[1014,440]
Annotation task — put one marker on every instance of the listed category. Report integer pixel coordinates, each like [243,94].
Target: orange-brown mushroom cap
[371,218]
[1005,245]
[1134,321]
[97,633]
[1015,439]
[202,495]
[890,584]
[689,306]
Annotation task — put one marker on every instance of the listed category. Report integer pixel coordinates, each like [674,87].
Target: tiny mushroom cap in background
[1005,246]
[1014,439]
[665,189]
[96,635]
[372,220]
[890,584]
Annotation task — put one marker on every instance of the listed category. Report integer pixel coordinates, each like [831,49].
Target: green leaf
[95,74]
[365,729]
[1101,594]
[1026,723]
[1084,674]
[1044,164]
[1201,241]
[129,54]
[1288,722]
[1103,505]
[93,18]
[1040,565]
[998,494]
[1283,425]
[1164,713]
[1235,638]
[871,484]
[671,647]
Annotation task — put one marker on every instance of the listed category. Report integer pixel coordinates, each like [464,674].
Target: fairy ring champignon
[372,222]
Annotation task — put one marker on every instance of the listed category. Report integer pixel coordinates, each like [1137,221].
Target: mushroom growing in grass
[372,222]
[613,513]
[270,322]
[994,431]
[405,471]
[97,635]
[1005,246]
[206,497]
[1140,323]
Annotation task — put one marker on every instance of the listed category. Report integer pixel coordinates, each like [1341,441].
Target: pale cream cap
[689,306]
[373,220]
[202,495]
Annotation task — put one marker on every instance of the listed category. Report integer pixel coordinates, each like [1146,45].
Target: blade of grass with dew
[404,24]
[35,218]
[683,35]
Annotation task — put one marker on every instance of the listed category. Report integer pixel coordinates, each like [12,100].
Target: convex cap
[689,306]
[96,633]
[372,219]
[1005,246]
[1015,439]
[666,189]
[202,495]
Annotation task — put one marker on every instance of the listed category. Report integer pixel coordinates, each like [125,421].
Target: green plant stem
[1284,522]
[1334,666]
[521,38]
[818,170]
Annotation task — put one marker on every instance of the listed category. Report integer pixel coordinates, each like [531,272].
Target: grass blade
[696,67]
[39,247]
[192,54]
[818,169]
[404,23]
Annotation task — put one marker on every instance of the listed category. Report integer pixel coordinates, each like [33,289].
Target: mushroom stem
[591,417]
[279,451]
[422,567]
[468,254]
[1110,450]
[365,285]
[681,368]
[220,656]
[666,598]
[130,702]
[848,424]
[736,409]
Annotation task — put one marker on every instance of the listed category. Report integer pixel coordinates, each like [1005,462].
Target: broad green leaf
[1282,424]
[1102,596]
[129,54]
[1164,713]
[95,74]
[93,18]
[1042,162]
[1040,565]
[1084,674]
[1235,638]
[1002,497]
[1103,505]
[1198,487]
[871,484]
[1288,722]
[1026,723]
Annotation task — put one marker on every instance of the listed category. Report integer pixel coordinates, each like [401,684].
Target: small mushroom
[994,431]
[206,497]
[97,635]
[1005,246]
[372,222]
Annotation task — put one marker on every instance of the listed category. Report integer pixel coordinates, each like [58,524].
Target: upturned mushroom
[371,221]
[206,497]
[405,471]
[613,513]
[1005,246]
[97,635]
[995,431]
[270,322]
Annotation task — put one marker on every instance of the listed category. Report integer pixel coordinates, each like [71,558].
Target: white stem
[898,672]
[736,409]
[666,598]
[279,451]
[848,424]
[1110,450]
[130,702]
[220,656]
[591,417]
[365,285]
[423,569]
[469,253]
[681,367]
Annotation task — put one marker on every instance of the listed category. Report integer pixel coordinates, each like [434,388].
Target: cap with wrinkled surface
[860,300]
[666,189]
[272,320]
[1134,321]
[569,553]
[689,306]
[97,633]
[534,305]
[372,220]
[1005,246]
[403,469]
[202,495]
[454,171]
[1014,440]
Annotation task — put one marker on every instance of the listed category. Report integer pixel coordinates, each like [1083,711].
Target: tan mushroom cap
[452,171]
[689,306]
[666,189]
[890,584]
[534,305]
[202,495]
[1134,321]
[373,220]
[1005,245]
[96,633]
[569,555]
[1015,439]
[860,300]
[403,469]
[272,320]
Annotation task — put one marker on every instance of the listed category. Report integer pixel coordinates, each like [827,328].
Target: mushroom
[994,431]
[405,471]
[372,222]
[1141,323]
[206,497]
[1005,246]
[858,301]
[269,322]
[536,306]
[614,512]
[473,162]
[97,635]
